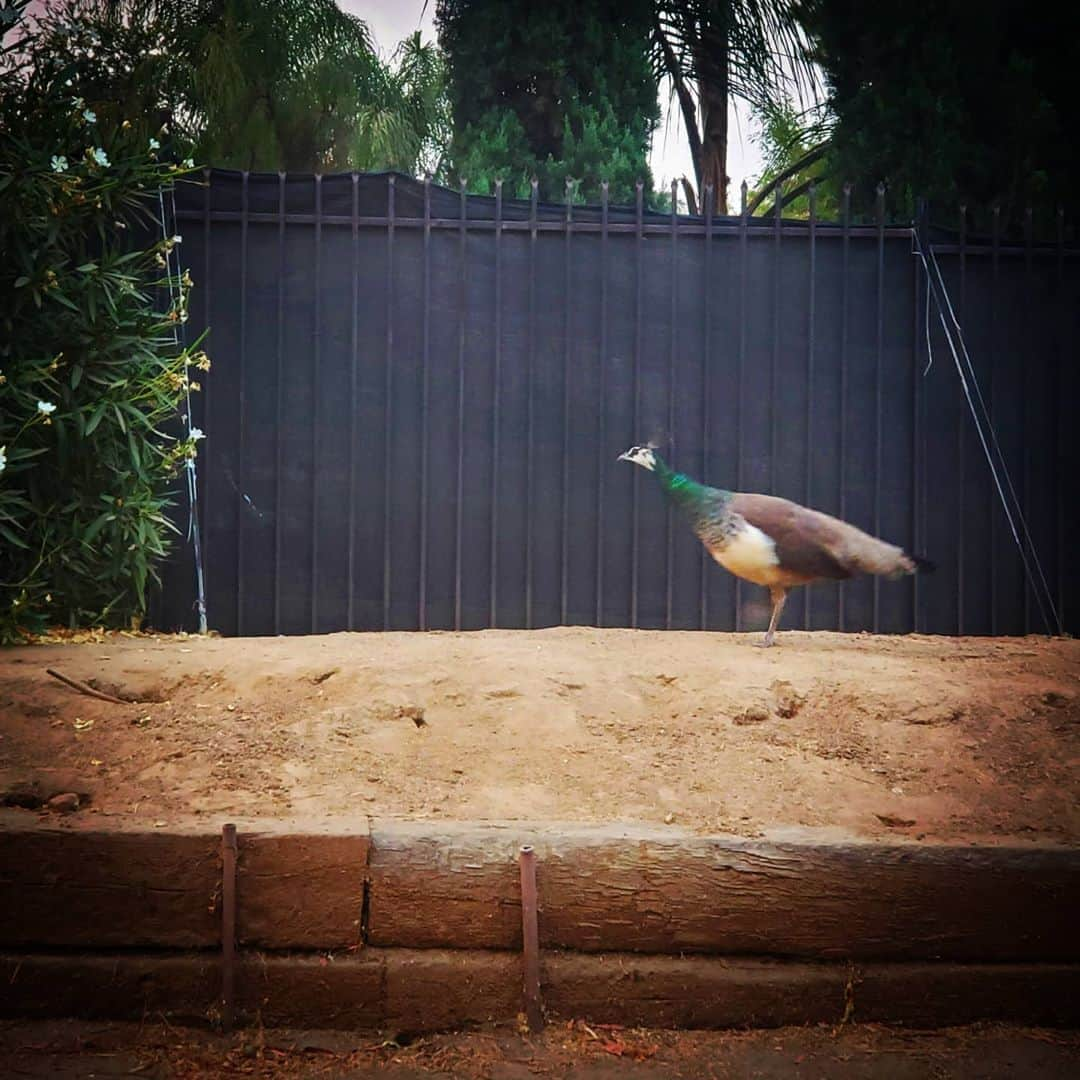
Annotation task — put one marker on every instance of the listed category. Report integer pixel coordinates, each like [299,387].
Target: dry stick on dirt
[88,690]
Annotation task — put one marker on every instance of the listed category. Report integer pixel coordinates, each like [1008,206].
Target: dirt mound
[938,738]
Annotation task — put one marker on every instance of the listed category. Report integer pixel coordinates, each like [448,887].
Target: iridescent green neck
[680,488]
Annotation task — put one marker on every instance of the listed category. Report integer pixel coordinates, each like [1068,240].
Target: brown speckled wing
[806,542]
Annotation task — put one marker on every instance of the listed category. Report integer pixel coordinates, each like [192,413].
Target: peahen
[771,541]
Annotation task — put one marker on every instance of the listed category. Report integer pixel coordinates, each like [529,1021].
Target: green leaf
[95,417]
[11,537]
[98,524]
[60,298]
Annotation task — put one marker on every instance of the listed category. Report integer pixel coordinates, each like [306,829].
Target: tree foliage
[955,102]
[794,148]
[294,85]
[557,90]
[716,50]
[90,364]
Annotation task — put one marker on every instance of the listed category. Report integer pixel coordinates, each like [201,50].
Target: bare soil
[958,739]
[65,1050]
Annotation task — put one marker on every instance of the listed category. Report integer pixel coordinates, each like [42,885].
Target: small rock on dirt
[753,715]
[411,712]
[895,822]
[786,699]
[66,802]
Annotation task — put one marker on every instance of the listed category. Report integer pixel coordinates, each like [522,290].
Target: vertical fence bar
[228,926]
[279,404]
[810,319]
[845,262]
[425,436]
[961,470]
[205,452]
[774,358]
[995,296]
[564,542]
[744,224]
[533,197]
[388,410]
[918,531]
[879,214]
[463,315]
[316,386]
[1060,406]
[354,393]
[706,396]
[601,459]
[241,404]
[673,337]
[496,414]
[639,234]
[1024,501]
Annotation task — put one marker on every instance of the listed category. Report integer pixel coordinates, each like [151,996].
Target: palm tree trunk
[714,140]
[712,65]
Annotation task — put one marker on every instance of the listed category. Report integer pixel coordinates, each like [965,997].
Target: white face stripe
[641,455]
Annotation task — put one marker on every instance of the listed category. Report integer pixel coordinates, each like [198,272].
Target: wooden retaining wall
[417,926]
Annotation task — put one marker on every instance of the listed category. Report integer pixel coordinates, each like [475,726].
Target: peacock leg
[779,595]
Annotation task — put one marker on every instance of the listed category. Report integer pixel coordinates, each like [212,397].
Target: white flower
[195,434]
[154,144]
[46,408]
[101,157]
[189,163]
[59,163]
[78,103]
[90,116]
[3,458]
[177,239]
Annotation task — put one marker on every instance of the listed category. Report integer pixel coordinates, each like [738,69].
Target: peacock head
[640,455]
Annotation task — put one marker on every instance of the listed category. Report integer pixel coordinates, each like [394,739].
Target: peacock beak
[625,456]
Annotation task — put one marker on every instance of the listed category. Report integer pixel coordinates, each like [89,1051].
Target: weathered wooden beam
[132,887]
[407,990]
[302,889]
[711,992]
[600,889]
[667,891]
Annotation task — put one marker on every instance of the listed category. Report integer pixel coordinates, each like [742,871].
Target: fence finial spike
[744,191]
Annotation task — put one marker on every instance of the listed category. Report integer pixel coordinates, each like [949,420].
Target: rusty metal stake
[228,927]
[530,927]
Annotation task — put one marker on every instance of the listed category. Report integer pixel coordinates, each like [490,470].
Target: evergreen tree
[557,90]
[953,101]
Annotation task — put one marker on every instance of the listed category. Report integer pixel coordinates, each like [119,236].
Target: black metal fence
[418,396]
